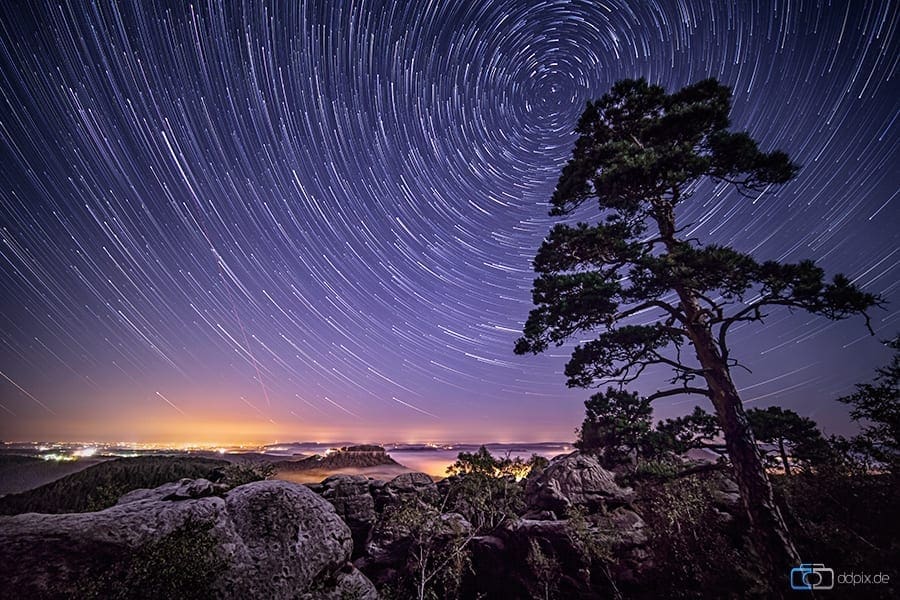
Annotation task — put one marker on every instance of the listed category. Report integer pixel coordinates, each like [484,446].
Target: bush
[658,470]
[693,555]
[545,568]
[183,565]
[438,553]
[485,489]
[485,501]
[845,521]
[235,475]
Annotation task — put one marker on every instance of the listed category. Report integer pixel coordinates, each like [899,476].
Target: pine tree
[876,406]
[639,156]
[616,425]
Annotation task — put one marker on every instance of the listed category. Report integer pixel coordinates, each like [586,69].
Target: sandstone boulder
[405,488]
[574,481]
[726,493]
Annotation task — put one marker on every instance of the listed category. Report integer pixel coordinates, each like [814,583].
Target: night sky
[296,221]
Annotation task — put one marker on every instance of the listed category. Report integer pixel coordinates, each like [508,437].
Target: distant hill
[20,473]
[242,458]
[345,458]
[100,486]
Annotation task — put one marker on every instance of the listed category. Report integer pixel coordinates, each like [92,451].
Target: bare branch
[733,362]
[755,308]
[660,359]
[679,391]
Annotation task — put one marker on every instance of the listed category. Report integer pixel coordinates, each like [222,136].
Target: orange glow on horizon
[212,418]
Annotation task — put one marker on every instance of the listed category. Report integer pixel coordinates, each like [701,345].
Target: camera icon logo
[812,576]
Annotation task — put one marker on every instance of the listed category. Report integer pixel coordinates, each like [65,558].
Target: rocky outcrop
[355,457]
[183,489]
[574,481]
[392,546]
[271,539]
[627,536]
[352,501]
[404,488]
[726,493]
[359,500]
[508,568]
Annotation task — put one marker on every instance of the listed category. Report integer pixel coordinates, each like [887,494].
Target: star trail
[309,220]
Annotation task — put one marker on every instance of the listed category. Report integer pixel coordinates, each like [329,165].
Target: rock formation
[347,457]
[271,539]
[405,487]
[353,502]
[574,481]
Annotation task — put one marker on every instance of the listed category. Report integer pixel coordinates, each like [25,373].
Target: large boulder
[726,493]
[575,480]
[627,535]
[267,539]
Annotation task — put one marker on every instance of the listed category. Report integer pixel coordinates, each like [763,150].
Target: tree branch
[675,364]
[649,304]
[678,392]
[714,306]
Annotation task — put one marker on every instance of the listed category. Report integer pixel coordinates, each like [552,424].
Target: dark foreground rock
[268,539]
[391,550]
[506,560]
[353,502]
[405,488]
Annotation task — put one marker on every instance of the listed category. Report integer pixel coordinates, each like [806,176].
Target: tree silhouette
[650,292]
[695,430]
[617,424]
[876,406]
[789,432]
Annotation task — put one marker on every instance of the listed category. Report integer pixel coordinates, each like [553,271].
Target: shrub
[235,475]
[658,470]
[438,553]
[692,554]
[183,565]
[845,521]
[545,568]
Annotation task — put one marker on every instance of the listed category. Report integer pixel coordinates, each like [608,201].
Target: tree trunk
[423,562]
[784,458]
[768,530]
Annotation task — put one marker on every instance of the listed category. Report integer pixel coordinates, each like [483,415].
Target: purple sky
[227,223]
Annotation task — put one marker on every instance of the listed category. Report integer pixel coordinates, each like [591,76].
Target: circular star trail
[317,218]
